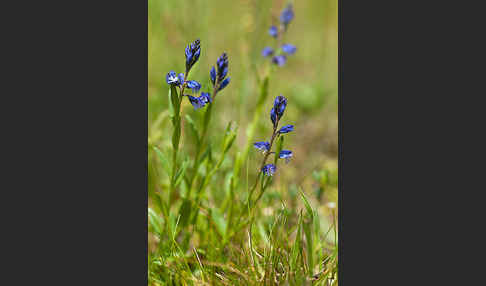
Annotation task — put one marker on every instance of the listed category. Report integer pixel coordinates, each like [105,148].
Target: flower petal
[196,102]
[286,129]
[194,85]
[289,48]
[263,146]
[224,83]
[171,78]
[269,169]
[212,74]
[267,51]
[273,31]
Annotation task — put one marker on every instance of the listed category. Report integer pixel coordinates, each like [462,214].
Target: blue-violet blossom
[218,75]
[287,15]
[193,52]
[194,85]
[285,154]
[172,78]
[286,129]
[279,60]
[273,31]
[267,51]
[289,48]
[263,146]
[269,169]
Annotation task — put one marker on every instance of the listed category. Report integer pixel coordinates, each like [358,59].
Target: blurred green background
[309,79]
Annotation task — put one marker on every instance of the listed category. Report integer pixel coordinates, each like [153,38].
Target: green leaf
[207,116]
[219,221]
[294,253]
[176,135]
[307,205]
[163,160]
[229,136]
[174,100]
[171,104]
[192,127]
[157,201]
[181,172]
[155,222]
[185,212]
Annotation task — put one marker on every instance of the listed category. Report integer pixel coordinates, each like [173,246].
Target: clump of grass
[205,225]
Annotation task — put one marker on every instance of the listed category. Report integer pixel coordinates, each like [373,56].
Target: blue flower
[218,75]
[212,74]
[285,154]
[172,78]
[273,31]
[194,85]
[222,65]
[192,51]
[200,101]
[286,129]
[273,116]
[196,101]
[279,60]
[263,146]
[289,48]
[279,105]
[269,169]
[287,15]
[181,78]
[224,83]
[267,51]
[205,97]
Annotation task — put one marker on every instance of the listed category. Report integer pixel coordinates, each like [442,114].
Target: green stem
[207,119]
[177,132]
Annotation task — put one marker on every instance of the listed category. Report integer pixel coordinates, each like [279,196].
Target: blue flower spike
[262,146]
[269,169]
[273,31]
[172,78]
[193,51]
[218,74]
[276,113]
[285,154]
[222,64]
[278,55]
[286,129]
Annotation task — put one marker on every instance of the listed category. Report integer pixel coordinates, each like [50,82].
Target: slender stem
[201,143]
[267,153]
[176,148]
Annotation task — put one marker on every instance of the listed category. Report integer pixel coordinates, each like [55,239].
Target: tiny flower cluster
[280,56]
[276,114]
[193,51]
[218,78]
